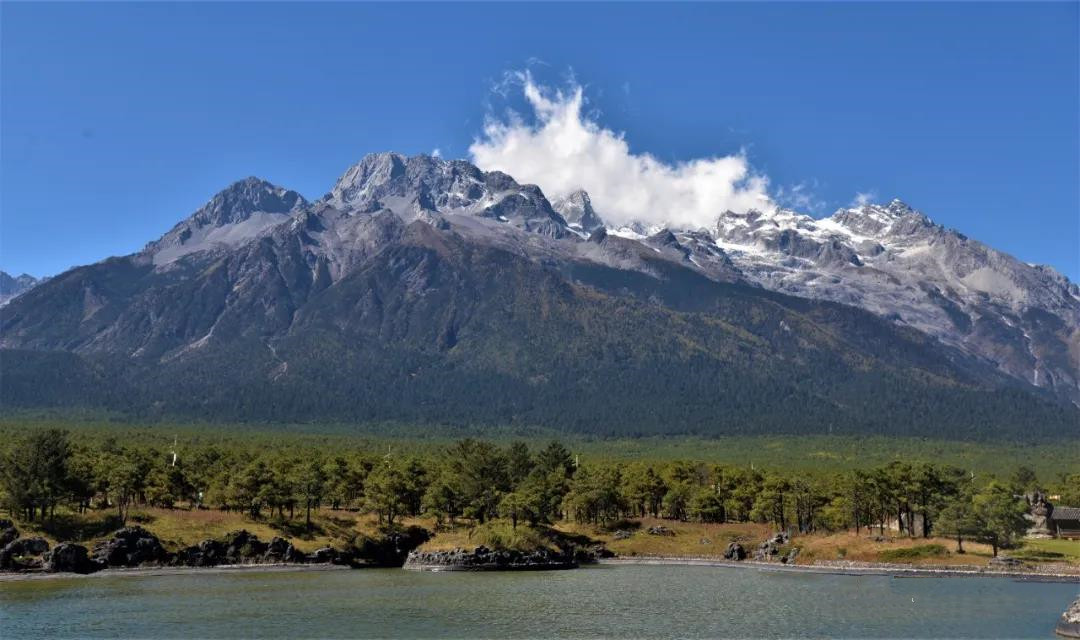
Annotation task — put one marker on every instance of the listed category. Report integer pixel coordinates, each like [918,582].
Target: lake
[603,601]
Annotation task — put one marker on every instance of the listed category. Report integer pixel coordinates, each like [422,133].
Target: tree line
[476,481]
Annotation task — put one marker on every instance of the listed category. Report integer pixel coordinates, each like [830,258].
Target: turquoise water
[605,601]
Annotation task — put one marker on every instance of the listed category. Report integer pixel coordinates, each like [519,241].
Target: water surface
[605,601]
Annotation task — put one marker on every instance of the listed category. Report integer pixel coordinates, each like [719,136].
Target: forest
[473,481]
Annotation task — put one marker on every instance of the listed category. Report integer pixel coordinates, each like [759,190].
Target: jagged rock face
[417,286]
[241,212]
[12,286]
[577,210]
[428,188]
[130,547]
[897,263]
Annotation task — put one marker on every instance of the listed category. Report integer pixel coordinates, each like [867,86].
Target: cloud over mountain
[563,149]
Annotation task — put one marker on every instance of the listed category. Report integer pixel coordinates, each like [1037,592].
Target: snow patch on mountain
[12,287]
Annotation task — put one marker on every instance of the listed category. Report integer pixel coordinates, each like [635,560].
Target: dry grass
[864,548]
[690,539]
[180,527]
[499,534]
[459,537]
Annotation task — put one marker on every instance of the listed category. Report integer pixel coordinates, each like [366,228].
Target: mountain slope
[894,261]
[429,291]
[12,286]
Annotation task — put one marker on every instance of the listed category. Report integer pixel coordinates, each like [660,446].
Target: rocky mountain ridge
[12,286]
[896,262]
[421,289]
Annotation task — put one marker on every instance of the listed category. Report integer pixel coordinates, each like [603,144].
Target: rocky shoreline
[851,568]
[134,550]
[145,571]
[484,559]
[135,547]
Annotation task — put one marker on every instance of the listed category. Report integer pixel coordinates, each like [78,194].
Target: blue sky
[117,120]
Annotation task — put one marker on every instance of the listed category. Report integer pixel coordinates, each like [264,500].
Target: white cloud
[562,149]
[436,153]
[864,198]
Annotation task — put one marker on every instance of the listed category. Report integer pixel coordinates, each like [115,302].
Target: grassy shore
[178,528]
[629,539]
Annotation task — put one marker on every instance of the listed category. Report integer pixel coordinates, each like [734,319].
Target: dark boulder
[22,548]
[392,548]
[591,554]
[324,555]
[243,547]
[771,547]
[239,547]
[735,551]
[68,557]
[208,553]
[766,550]
[281,550]
[7,534]
[131,547]
[660,530]
[790,557]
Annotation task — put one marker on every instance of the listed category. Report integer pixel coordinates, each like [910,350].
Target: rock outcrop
[131,547]
[8,533]
[735,551]
[771,547]
[68,557]
[136,547]
[22,548]
[393,548]
[281,550]
[237,547]
[485,559]
[1069,624]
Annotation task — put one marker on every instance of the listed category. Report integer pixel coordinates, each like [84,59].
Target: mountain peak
[899,207]
[12,286]
[236,202]
[240,211]
[417,187]
[876,220]
[373,169]
[577,209]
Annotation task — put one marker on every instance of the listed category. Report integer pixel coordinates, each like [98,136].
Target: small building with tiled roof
[1065,522]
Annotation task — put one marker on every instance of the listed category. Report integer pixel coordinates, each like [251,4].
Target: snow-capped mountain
[12,286]
[896,262]
[576,208]
[424,289]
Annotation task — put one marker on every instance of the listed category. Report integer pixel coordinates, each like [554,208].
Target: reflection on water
[609,601]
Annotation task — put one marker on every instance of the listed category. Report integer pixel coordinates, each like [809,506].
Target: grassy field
[1051,551]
